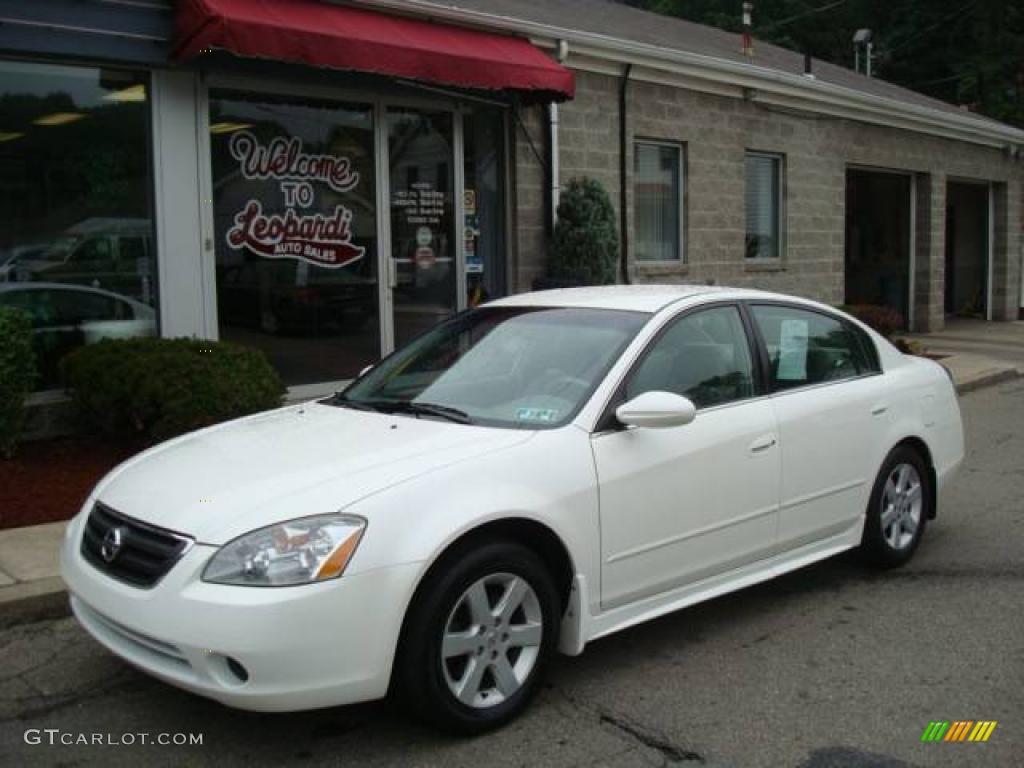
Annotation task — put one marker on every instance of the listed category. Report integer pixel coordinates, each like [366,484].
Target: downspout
[554,172]
[623,183]
[554,182]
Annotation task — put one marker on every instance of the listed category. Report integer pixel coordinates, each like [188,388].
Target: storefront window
[76,230]
[484,204]
[295,212]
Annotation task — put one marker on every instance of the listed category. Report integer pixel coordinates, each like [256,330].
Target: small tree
[586,242]
[17,372]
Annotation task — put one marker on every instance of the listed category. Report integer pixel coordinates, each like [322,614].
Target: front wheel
[478,637]
[898,510]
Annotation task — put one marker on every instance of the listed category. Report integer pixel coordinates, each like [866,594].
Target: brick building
[288,176]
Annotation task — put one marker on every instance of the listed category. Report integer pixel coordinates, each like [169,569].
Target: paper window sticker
[793,351]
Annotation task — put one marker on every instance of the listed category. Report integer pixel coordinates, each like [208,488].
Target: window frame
[681,204]
[780,181]
[609,422]
[870,352]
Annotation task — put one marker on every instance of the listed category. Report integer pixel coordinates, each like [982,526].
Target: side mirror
[657,410]
[365,371]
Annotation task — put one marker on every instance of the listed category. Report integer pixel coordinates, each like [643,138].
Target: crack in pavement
[637,733]
[673,753]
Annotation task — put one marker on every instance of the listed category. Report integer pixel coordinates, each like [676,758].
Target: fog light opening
[236,669]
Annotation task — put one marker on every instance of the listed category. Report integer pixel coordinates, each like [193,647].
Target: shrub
[586,243]
[17,372]
[884,320]
[153,389]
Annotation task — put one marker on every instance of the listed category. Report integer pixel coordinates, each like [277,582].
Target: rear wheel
[898,510]
[478,637]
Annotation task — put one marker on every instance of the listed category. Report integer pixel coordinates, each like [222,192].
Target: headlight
[295,552]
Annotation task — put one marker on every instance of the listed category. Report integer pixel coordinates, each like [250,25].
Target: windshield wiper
[424,409]
[406,406]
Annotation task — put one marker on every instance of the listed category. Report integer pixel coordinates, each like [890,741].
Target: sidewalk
[30,584]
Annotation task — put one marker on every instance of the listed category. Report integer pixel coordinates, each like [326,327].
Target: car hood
[221,482]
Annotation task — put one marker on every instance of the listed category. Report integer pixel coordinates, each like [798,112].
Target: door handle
[878,410]
[762,444]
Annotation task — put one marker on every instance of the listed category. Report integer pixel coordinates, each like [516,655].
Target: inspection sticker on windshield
[537,414]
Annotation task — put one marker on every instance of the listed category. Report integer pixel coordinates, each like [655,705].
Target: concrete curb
[987,379]
[32,601]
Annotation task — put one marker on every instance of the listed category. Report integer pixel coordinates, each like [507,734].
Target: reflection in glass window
[421,155]
[295,218]
[764,206]
[704,356]
[484,204]
[807,347]
[657,191]
[76,231]
[513,367]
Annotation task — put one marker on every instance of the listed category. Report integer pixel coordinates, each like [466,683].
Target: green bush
[885,320]
[586,243]
[17,372]
[153,389]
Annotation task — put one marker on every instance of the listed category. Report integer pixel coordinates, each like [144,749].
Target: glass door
[423,266]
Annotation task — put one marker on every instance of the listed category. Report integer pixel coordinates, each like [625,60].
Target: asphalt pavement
[827,667]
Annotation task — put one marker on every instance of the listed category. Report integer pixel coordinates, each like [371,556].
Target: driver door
[683,504]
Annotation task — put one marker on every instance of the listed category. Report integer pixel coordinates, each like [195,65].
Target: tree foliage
[965,52]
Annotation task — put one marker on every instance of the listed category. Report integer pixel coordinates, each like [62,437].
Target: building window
[764,206]
[658,201]
[76,229]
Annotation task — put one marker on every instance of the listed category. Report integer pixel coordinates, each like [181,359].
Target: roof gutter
[770,85]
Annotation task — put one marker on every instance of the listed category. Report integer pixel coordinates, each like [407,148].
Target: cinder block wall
[716,131]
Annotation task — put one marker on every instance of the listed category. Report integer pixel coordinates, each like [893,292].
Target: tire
[430,672]
[902,496]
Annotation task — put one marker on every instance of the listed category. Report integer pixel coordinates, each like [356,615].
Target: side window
[38,304]
[704,356]
[75,307]
[806,347]
[91,250]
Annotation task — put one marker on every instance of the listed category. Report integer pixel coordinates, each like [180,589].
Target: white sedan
[524,478]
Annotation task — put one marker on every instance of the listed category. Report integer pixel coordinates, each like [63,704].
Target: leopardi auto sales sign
[321,239]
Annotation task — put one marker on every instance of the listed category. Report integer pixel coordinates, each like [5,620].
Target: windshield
[517,367]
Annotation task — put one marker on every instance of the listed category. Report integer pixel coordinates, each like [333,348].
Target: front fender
[549,479]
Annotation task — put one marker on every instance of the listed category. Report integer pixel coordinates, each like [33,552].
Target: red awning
[343,37]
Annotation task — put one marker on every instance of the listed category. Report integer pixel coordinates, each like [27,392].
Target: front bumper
[316,645]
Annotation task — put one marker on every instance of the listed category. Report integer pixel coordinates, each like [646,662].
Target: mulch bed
[48,480]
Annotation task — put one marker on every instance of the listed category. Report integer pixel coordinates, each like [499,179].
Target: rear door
[682,504]
[831,413]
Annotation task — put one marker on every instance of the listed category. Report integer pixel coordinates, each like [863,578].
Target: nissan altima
[522,479]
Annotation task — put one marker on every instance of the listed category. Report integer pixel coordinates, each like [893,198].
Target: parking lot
[830,666]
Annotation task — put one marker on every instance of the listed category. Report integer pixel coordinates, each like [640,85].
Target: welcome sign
[321,239]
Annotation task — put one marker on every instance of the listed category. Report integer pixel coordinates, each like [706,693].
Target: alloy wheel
[902,506]
[492,640]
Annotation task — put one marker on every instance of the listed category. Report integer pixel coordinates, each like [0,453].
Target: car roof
[636,298]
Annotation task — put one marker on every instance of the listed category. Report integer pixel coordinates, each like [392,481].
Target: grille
[145,555]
